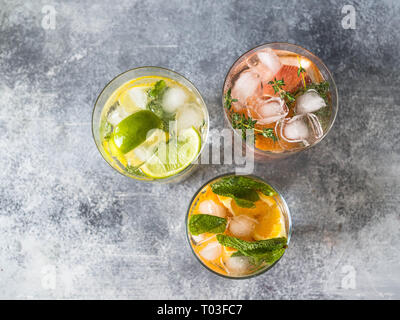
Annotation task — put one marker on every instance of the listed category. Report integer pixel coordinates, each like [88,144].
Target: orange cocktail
[238,226]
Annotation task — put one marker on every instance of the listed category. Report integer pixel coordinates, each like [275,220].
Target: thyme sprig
[322,89]
[277,85]
[229,100]
[301,71]
[243,123]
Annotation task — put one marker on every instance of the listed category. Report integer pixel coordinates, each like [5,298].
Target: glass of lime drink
[150,124]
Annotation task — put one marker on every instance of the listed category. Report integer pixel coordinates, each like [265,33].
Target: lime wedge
[145,151]
[174,156]
[132,131]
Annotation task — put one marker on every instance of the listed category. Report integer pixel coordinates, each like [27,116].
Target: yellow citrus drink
[153,127]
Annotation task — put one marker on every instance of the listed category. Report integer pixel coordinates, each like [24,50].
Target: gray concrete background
[71,227]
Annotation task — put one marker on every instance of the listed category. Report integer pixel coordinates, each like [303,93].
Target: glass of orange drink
[238,226]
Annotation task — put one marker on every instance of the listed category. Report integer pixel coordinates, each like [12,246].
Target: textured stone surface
[65,215]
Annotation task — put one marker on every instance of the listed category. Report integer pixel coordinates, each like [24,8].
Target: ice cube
[134,99]
[265,63]
[248,84]
[202,238]
[116,114]
[143,154]
[259,68]
[198,239]
[138,96]
[146,150]
[303,128]
[189,115]
[269,58]
[237,265]
[310,101]
[211,251]
[267,109]
[174,98]
[212,208]
[242,226]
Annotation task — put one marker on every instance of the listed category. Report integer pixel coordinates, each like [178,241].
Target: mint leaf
[256,259]
[157,91]
[228,187]
[246,182]
[257,256]
[259,246]
[243,203]
[154,103]
[200,223]
[155,107]
[258,251]
[242,189]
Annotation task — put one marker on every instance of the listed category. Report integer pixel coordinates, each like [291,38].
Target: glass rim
[260,272]
[266,152]
[197,91]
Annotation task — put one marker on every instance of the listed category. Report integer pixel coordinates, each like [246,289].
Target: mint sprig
[158,90]
[255,247]
[154,103]
[268,257]
[242,189]
[268,250]
[201,223]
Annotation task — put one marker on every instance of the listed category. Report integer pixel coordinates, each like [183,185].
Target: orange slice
[260,208]
[271,225]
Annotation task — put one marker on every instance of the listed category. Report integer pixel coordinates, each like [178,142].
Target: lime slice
[132,131]
[116,153]
[174,156]
[145,151]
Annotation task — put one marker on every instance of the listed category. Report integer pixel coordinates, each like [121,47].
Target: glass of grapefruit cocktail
[281,98]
